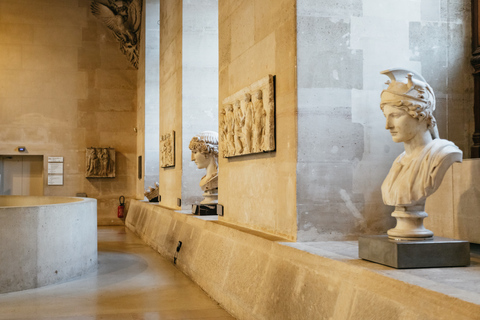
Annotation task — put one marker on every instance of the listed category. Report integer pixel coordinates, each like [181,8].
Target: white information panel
[55,159]
[55,167]
[55,180]
[55,171]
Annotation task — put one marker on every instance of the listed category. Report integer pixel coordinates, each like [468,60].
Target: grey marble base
[438,252]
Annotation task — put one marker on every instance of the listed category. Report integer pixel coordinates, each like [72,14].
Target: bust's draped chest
[412,179]
[209,184]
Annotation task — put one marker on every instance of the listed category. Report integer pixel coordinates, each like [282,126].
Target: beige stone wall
[171,95]
[257,38]
[140,126]
[65,86]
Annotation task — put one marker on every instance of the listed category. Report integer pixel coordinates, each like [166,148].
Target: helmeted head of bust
[410,92]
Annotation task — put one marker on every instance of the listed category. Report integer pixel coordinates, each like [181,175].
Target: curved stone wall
[46,240]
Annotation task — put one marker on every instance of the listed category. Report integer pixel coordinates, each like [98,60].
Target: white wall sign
[55,171]
[55,159]
[55,180]
[55,167]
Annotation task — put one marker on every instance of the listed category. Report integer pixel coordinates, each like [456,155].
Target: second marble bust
[204,147]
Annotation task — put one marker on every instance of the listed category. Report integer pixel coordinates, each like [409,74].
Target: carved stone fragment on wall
[167,150]
[247,120]
[123,18]
[100,163]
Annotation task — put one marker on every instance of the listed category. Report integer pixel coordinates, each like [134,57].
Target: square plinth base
[438,252]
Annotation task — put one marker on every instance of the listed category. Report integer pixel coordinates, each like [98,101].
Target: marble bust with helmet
[408,104]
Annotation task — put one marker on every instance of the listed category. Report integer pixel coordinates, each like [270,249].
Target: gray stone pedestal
[438,252]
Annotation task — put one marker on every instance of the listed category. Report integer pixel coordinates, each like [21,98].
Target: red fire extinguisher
[121,207]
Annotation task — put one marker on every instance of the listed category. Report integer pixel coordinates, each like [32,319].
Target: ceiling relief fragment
[123,18]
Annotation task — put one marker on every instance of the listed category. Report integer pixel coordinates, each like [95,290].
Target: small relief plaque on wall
[100,163]
[167,150]
[247,120]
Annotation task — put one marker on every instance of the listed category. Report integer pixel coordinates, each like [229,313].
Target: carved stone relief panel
[100,163]
[123,18]
[167,150]
[247,120]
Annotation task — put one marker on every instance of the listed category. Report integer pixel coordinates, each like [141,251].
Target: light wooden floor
[132,282]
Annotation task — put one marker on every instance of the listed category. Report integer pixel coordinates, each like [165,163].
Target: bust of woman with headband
[408,104]
[204,147]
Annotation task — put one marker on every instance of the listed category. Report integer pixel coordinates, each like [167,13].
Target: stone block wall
[344,152]
[199,86]
[171,96]
[152,96]
[141,112]
[148,98]
[65,86]
[257,38]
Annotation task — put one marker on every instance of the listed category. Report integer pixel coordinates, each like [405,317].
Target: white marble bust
[408,104]
[204,147]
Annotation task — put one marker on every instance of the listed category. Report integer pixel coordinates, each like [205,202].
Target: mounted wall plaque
[247,120]
[100,163]
[55,171]
[167,150]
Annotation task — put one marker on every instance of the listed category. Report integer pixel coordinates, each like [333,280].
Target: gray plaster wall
[152,81]
[344,151]
[199,86]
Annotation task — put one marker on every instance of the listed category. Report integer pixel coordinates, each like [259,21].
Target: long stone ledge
[256,278]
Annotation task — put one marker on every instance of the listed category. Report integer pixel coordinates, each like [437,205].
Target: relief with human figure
[167,150]
[247,120]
